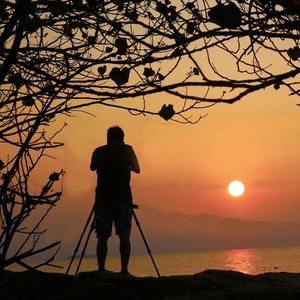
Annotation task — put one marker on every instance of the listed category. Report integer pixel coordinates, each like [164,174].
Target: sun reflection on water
[242,260]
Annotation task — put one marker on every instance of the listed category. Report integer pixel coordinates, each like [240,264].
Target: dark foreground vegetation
[210,284]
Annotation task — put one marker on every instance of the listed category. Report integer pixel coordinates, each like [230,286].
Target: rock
[207,285]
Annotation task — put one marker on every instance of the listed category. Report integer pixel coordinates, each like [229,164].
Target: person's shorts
[118,214]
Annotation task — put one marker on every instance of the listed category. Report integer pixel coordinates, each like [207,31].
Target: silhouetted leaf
[33,24]
[50,90]
[29,101]
[148,58]
[16,79]
[167,112]
[117,25]
[294,53]
[54,176]
[177,52]
[228,16]
[196,71]
[91,39]
[121,44]
[162,8]
[276,86]
[190,5]
[148,72]
[180,39]
[49,117]
[119,3]
[56,7]
[119,76]
[68,30]
[172,13]
[151,17]
[102,70]
[197,14]
[161,76]
[1,164]
[132,15]
[190,27]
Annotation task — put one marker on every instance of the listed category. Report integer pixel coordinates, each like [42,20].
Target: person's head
[115,134]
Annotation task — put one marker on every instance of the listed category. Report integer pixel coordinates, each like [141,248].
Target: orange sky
[186,168]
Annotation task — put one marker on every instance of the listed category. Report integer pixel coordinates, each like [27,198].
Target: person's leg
[101,253]
[124,252]
[123,229]
[103,230]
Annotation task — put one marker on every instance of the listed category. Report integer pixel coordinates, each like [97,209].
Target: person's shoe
[125,273]
[104,271]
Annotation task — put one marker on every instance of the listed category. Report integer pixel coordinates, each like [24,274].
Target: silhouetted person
[114,163]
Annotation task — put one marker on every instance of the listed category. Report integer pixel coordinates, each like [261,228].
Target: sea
[250,261]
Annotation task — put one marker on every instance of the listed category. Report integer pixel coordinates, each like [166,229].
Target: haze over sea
[250,261]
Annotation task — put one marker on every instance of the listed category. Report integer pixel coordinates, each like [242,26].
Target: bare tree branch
[59,57]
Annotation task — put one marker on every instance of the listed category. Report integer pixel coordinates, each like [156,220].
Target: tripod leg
[80,239]
[146,244]
[84,248]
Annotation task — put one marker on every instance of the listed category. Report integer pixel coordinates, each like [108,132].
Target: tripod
[79,242]
[91,222]
[134,206]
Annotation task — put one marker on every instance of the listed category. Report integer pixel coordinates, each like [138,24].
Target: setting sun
[236,188]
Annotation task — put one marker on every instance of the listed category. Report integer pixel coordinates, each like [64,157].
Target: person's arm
[93,165]
[134,164]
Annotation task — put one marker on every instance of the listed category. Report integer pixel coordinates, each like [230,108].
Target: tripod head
[134,206]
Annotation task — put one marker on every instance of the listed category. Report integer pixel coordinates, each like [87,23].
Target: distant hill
[172,232]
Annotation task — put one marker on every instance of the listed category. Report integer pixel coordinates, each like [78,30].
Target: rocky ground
[210,284]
